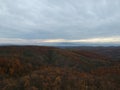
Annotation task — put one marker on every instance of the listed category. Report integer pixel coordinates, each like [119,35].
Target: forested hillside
[52,68]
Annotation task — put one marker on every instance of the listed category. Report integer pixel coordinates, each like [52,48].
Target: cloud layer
[64,19]
[98,41]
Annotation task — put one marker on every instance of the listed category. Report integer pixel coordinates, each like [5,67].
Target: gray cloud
[51,19]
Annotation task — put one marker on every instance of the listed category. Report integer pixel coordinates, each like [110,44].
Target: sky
[40,22]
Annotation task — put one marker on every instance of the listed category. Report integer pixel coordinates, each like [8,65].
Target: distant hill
[112,52]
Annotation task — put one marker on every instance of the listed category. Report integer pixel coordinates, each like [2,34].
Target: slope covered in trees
[51,68]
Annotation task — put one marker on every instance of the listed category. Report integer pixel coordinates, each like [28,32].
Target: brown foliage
[49,68]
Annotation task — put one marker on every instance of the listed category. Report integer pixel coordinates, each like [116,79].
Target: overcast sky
[48,21]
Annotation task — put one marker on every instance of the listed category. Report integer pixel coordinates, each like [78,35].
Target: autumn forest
[59,68]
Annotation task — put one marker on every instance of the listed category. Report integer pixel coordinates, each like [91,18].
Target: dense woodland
[59,68]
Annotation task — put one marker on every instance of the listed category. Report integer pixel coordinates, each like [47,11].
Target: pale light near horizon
[43,41]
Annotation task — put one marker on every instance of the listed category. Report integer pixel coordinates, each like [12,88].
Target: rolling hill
[54,68]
